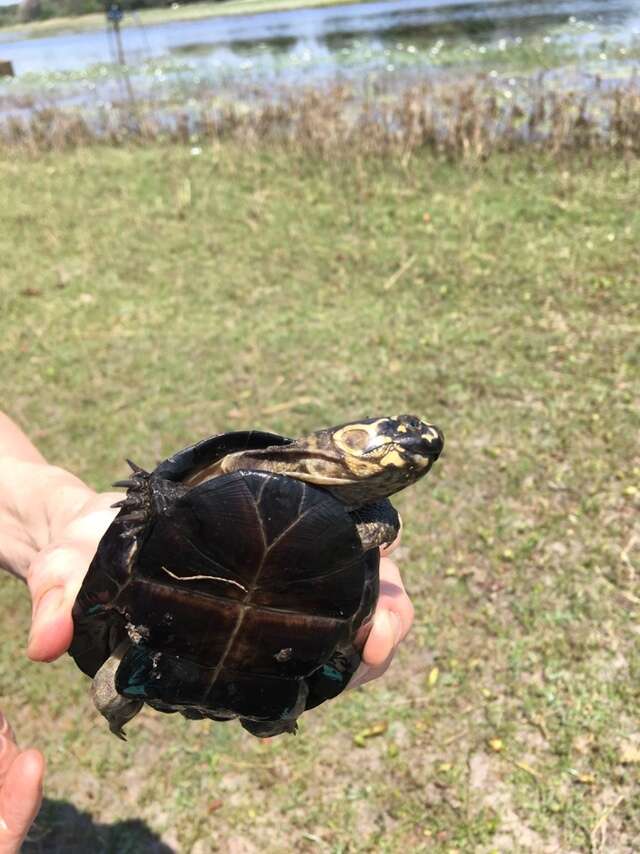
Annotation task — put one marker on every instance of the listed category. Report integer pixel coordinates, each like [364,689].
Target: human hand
[21,773]
[50,525]
[56,572]
[66,520]
[391,622]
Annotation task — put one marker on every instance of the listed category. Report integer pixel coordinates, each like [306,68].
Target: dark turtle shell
[248,595]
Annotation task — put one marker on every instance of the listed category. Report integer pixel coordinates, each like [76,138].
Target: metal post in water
[114,16]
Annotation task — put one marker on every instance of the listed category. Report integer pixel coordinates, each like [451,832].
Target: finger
[54,579]
[367,672]
[5,728]
[54,584]
[383,638]
[391,623]
[393,596]
[20,799]
[86,529]
[8,752]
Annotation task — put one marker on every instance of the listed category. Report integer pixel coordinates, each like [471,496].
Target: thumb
[56,574]
[20,798]
[54,581]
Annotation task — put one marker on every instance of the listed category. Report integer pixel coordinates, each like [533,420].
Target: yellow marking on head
[393,458]
[401,428]
[355,439]
[431,435]
[421,462]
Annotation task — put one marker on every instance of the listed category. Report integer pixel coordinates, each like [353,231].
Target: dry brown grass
[475,118]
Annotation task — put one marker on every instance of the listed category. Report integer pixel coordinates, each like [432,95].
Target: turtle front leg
[118,710]
[377,523]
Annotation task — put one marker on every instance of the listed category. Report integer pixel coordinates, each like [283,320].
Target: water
[324,32]
[313,46]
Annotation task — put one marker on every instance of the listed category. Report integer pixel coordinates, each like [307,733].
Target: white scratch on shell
[204,578]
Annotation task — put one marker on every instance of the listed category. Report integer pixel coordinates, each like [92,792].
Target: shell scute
[147,675]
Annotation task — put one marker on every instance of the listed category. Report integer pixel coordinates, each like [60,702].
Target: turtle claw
[135,507]
[136,480]
[126,484]
[136,468]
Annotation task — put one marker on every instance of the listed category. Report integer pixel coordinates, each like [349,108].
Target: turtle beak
[426,443]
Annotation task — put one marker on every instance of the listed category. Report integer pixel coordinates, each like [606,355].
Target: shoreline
[472,117]
[165,15]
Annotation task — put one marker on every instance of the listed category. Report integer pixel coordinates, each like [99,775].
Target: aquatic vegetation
[559,86]
[361,48]
[472,117]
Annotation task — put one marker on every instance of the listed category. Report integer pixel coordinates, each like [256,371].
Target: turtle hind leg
[267,729]
[287,723]
[118,710]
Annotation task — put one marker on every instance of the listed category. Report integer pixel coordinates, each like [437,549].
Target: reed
[472,118]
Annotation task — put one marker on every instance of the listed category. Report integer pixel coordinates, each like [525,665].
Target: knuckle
[51,566]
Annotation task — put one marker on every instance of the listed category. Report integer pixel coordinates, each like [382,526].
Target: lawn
[151,297]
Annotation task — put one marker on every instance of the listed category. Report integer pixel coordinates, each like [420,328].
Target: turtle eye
[354,439]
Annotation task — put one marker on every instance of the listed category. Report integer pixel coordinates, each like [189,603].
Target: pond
[311,46]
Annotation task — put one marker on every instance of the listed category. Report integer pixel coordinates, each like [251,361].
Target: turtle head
[395,451]
[360,462]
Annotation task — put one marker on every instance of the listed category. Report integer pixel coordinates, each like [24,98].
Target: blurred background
[285,215]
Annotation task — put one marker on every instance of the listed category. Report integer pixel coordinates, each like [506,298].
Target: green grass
[151,297]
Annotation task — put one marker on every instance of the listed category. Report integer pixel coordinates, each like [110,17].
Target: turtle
[240,576]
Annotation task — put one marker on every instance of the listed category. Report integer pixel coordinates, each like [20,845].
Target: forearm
[36,499]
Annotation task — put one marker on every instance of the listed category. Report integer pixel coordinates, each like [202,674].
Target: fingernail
[47,607]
